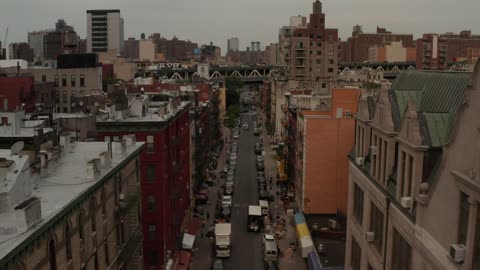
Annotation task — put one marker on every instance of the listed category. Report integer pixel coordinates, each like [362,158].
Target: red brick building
[358,44]
[165,167]
[439,51]
[22,89]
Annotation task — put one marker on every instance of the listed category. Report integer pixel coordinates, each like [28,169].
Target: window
[151,203]
[330,70]
[463,219]
[151,173]
[4,120]
[52,253]
[80,228]
[104,204]
[44,78]
[318,61]
[82,81]
[95,261]
[93,215]
[107,256]
[56,80]
[68,242]
[319,52]
[330,53]
[152,231]
[330,61]
[476,251]
[319,44]
[64,80]
[72,80]
[401,254]
[150,144]
[356,255]
[376,226]
[324,85]
[153,258]
[358,204]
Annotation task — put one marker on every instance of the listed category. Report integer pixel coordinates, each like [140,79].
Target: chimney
[119,148]
[131,140]
[28,214]
[65,142]
[93,168]
[43,162]
[105,160]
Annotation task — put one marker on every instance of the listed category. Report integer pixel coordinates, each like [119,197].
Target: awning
[183,260]
[187,242]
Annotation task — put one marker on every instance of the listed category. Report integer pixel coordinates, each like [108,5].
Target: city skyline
[194,18]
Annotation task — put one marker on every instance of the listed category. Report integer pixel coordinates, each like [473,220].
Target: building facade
[105,31]
[413,203]
[357,46]
[313,50]
[233,44]
[74,214]
[323,141]
[131,48]
[21,51]
[392,52]
[146,50]
[438,52]
[165,164]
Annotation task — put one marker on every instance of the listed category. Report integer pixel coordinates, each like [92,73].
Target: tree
[233,85]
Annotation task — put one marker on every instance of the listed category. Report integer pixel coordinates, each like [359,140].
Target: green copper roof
[437,96]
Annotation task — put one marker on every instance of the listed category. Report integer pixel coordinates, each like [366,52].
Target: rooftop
[58,185]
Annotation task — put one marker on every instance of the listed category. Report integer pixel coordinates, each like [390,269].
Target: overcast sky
[203,21]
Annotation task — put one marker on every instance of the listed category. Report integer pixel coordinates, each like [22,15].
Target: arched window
[68,242]
[52,253]
[104,204]
[81,220]
[93,215]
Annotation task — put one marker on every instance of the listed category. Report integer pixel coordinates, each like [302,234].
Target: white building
[36,41]
[104,31]
[146,50]
[233,44]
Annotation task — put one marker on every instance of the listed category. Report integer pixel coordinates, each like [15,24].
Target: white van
[264,205]
[269,248]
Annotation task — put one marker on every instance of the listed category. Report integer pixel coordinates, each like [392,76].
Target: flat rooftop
[150,114]
[65,181]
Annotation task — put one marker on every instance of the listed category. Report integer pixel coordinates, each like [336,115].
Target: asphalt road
[246,246]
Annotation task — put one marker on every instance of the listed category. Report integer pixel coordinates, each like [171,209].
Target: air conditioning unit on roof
[457,252]
[406,202]
[373,150]
[360,161]
[370,236]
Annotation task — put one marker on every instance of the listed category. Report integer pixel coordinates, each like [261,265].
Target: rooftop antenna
[16,148]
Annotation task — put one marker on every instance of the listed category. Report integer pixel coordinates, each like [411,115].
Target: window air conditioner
[406,202]
[332,224]
[373,150]
[370,236]
[457,252]
[360,161]
[121,196]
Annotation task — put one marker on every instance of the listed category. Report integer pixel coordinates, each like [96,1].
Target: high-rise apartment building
[233,44]
[284,40]
[357,47]
[105,31]
[436,51]
[313,50]
[414,187]
[174,49]
[20,51]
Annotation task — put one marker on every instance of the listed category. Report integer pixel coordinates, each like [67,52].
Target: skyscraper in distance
[233,44]
[105,31]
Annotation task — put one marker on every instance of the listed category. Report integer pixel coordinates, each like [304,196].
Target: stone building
[413,188]
[77,208]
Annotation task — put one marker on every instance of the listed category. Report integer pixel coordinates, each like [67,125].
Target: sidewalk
[295,262]
[202,255]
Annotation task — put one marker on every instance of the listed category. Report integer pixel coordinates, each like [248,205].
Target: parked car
[245,126]
[236,135]
[256,132]
[265,195]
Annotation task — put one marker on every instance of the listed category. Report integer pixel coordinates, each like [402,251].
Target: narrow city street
[246,246]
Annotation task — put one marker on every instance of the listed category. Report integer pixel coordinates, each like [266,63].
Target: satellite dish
[16,148]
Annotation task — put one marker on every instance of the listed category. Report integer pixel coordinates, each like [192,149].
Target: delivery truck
[223,245]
